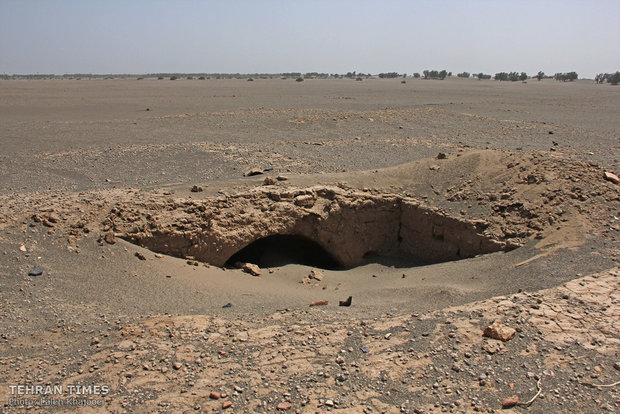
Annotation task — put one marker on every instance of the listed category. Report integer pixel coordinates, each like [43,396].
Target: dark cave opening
[280,250]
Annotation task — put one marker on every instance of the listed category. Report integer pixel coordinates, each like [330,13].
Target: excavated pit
[324,227]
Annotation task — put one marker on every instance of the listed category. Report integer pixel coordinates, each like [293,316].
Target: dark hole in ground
[280,250]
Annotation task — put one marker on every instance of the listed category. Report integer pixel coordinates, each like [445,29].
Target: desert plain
[128,209]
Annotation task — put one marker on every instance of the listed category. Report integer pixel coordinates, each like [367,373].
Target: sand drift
[320,226]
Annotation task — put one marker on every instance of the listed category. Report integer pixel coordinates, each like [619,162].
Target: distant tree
[388,75]
[540,75]
[513,76]
[566,77]
[523,76]
[416,75]
[482,76]
[299,79]
[443,73]
[449,74]
[614,78]
[174,77]
[501,76]
[250,80]
[463,75]
[600,78]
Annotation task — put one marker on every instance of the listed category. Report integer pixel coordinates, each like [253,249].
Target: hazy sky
[148,36]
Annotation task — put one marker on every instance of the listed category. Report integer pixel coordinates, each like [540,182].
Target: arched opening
[280,250]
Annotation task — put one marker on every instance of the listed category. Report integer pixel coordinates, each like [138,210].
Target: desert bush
[250,80]
[160,77]
[358,79]
[416,75]
[299,79]
[463,75]
[403,81]
[174,77]
[201,78]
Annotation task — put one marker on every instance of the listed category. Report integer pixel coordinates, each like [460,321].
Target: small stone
[53,218]
[441,156]
[196,189]
[284,406]
[497,330]
[269,181]
[140,256]
[254,171]
[346,302]
[388,335]
[316,275]
[609,176]
[35,271]
[95,341]
[226,404]
[109,238]
[251,268]
[319,303]
[177,366]
[214,395]
[329,403]
[281,178]
[228,305]
[510,401]
[22,248]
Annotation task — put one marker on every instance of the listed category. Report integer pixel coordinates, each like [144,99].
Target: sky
[328,36]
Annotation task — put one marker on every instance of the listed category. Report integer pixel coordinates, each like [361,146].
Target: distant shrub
[190,77]
[403,81]
[463,75]
[140,78]
[250,80]
[299,79]
[201,78]
[174,77]
[358,79]
[416,75]
[434,74]
[160,77]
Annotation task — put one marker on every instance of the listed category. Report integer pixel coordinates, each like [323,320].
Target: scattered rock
[251,268]
[196,189]
[214,395]
[228,305]
[177,365]
[226,404]
[140,256]
[609,176]
[319,303]
[346,302]
[284,406]
[434,167]
[109,238]
[95,340]
[510,401]
[281,178]
[35,271]
[254,171]
[269,181]
[441,156]
[497,330]
[316,275]
[22,248]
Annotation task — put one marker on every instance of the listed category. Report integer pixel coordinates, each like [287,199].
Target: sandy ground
[95,190]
